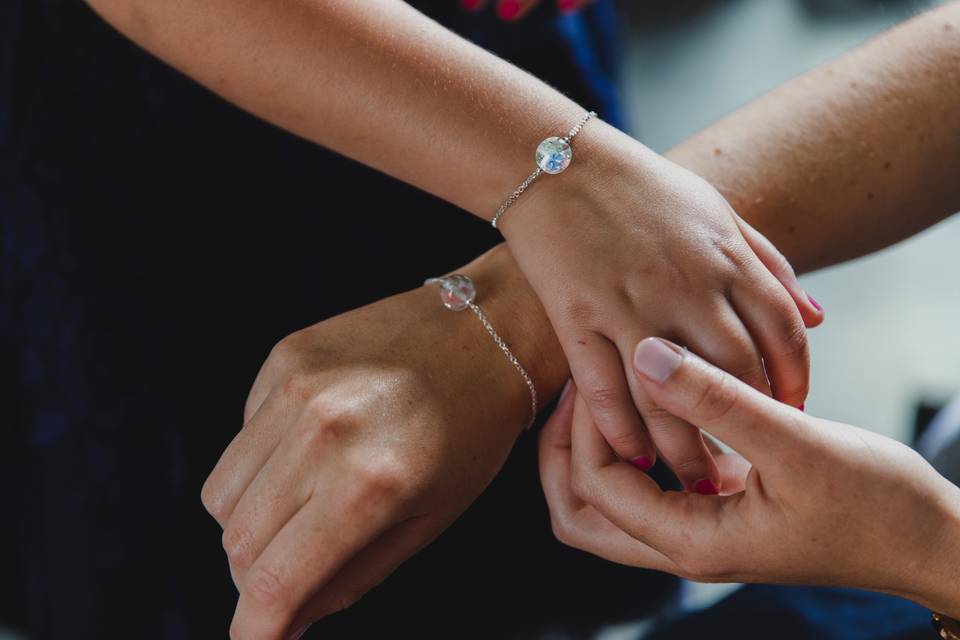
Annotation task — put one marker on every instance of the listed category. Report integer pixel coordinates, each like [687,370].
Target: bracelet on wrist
[457,292]
[553,156]
[948,628]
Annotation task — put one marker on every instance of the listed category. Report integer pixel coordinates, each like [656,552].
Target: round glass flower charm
[456,291]
[554,154]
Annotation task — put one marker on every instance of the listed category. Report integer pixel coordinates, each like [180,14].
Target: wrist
[515,311]
[938,587]
[605,161]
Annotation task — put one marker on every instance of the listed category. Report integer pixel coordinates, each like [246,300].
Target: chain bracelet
[457,292]
[553,156]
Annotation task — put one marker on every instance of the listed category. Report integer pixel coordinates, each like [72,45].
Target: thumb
[693,390]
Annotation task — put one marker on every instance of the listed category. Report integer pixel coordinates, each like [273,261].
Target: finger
[726,342]
[776,326]
[575,523]
[679,443]
[690,388]
[512,10]
[569,6]
[734,468]
[243,458]
[368,569]
[778,265]
[598,370]
[271,499]
[337,524]
[630,499]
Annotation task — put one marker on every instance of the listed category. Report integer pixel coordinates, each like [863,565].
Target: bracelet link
[458,292]
[553,156]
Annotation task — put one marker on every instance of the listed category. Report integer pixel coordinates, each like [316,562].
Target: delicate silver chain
[511,357]
[536,174]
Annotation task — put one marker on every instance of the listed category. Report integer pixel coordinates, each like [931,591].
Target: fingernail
[642,462]
[706,487]
[802,405]
[567,6]
[508,9]
[566,390]
[656,359]
[298,634]
[814,302]
[470,5]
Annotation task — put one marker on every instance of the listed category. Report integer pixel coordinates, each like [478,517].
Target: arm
[602,245]
[818,503]
[851,157]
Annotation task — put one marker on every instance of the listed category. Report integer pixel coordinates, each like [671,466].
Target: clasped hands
[366,435]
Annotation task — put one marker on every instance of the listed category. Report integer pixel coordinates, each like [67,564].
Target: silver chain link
[534,405]
[536,174]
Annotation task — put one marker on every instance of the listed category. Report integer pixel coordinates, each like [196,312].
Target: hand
[364,437]
[511,10]
[625,244]
[823,503]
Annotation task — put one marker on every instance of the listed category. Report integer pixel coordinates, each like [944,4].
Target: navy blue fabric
[804,613]
[155,242]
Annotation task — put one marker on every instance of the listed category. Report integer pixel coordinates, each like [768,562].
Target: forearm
[376,81]
[851,157]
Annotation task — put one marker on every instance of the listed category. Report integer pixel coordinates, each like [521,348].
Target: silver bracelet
[458,292]
[553,156]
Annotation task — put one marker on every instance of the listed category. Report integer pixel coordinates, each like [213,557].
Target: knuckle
[213,499]
[717,398]
[386,478]
[238,545]
[782,267]
[266,588]
[691,462]
[604,397]
[563,530]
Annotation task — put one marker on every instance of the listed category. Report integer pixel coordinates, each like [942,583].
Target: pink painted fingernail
[470,5]
[802,405]
[508,9]
[642,462]
[814,302]
[567,6]
[656,359]
[706,487]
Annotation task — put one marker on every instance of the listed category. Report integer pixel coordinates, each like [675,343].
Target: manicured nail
[298,634]
[656,359]
[508,9]
[567,6]
[706,487]
[802,405]
[470,5]
[566,390]
[814,302]
[642,462]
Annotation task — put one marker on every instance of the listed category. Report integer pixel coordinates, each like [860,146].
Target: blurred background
[887,357]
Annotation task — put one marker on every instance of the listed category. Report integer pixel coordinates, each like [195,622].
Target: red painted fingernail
[642,462]
[802,405]
[567,6]
[470,5]
[706,487]
[508,9]
[814,302]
